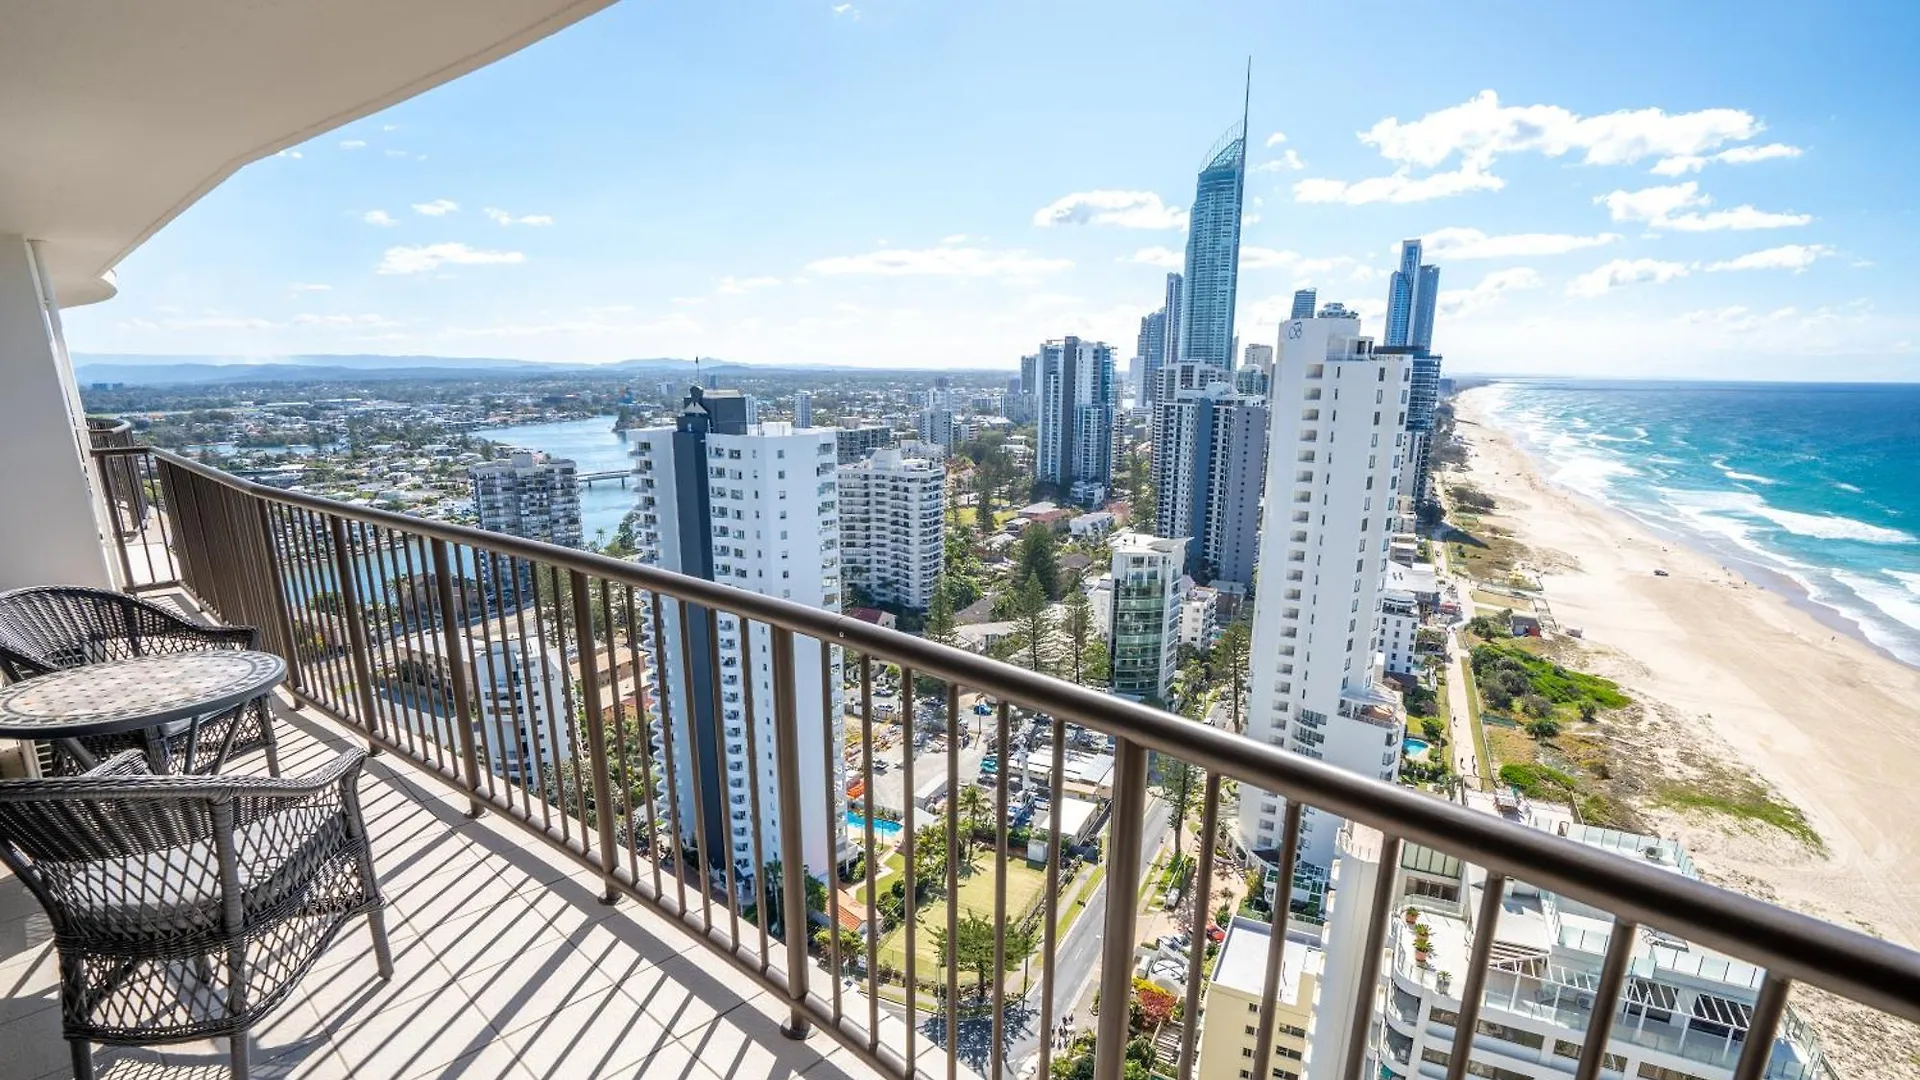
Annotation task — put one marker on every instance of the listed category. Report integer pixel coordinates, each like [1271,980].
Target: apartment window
[1246,1051]
[1610,1062]
[1650,1071]
[1511,1034]
[1443,1016]
[1435,1056]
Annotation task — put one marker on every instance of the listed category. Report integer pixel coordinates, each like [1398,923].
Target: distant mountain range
[147,370]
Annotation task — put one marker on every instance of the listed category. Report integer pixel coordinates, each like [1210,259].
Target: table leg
[226,744]
[80,754]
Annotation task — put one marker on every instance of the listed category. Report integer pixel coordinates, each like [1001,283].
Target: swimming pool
[884,831]
[1415,747]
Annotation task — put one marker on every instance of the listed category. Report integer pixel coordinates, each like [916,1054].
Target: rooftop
[1242,963]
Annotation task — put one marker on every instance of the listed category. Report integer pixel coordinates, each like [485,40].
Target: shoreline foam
[1825,718]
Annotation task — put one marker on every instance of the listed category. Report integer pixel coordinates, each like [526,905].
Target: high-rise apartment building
[755,506]
[1259,357]
[1213,252]
[854,443]
[802,409]
[1338,430]
[1209,466]
[1144,620]
[1077,401]
[1413,291]
[529,495]
[1303,300]
[893,527]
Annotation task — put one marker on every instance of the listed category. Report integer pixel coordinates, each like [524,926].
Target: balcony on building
[555,928]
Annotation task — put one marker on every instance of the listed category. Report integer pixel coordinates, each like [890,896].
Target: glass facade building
[1213,253]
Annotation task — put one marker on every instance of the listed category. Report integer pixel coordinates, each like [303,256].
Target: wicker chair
[189,907]
[51,627]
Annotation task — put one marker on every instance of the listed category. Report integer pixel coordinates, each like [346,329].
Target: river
[595,447]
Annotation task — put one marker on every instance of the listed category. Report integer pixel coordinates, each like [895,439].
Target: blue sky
[1712,189]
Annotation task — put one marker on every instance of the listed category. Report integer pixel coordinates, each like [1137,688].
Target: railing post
[282,609]
[596,729]
[348,583]
[793,871]
[463,718]
[1126,833]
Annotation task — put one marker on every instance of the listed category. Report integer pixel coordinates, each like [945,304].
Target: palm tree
[975,806]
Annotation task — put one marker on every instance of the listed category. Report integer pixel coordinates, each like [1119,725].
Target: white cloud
[389,127]
[353,144]
[1401,187]
[1661,208]
[356,321]
[1794,257]
[1459,303]
[940,262]
[380,218]
[1682,164]
[846,9]
[396,153]
[1747,155]
[288,154]
[734,286]
[1276,138]
[686,301]
[1620,273]
[1480,130]
[501,217]
[423,257]
[1461,243]
[956,238]
[1287,162]
[436,208]
[1158,256]
[304,287]
[1126,209]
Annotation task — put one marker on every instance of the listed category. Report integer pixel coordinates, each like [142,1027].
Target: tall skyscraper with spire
[1213,248]
[1412,295]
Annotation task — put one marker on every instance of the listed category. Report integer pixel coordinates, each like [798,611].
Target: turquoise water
[1414,746]
[884,831]
[1815,484]
[595,447]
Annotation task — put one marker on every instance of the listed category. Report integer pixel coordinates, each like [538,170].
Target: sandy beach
[1826,719]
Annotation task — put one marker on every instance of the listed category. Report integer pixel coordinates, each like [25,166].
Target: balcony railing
[318,578]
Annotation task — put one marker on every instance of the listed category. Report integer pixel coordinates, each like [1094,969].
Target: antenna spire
[1246,108]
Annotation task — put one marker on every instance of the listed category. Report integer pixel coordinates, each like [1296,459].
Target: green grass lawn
[1026,889]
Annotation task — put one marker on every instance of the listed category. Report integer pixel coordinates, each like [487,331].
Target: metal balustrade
[347,594]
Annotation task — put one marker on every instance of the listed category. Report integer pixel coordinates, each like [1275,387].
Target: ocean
[594,447]
[1816,484]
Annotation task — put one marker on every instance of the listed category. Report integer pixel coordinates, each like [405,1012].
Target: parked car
[1215,934]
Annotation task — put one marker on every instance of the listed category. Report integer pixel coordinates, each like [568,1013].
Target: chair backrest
[48,628]
[98,850]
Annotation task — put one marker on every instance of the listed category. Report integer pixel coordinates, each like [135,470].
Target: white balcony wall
[49,529]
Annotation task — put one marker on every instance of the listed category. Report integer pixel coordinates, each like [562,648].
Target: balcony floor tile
[506,965]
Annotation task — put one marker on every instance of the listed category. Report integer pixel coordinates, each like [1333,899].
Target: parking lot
[977,731]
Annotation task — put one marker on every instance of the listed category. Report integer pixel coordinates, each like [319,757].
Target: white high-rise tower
[1333,463]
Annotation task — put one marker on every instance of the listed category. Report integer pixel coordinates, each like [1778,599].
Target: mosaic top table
[120,696]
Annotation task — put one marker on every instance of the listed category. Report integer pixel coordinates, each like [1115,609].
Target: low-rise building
[1230,1017]
[1200,623]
